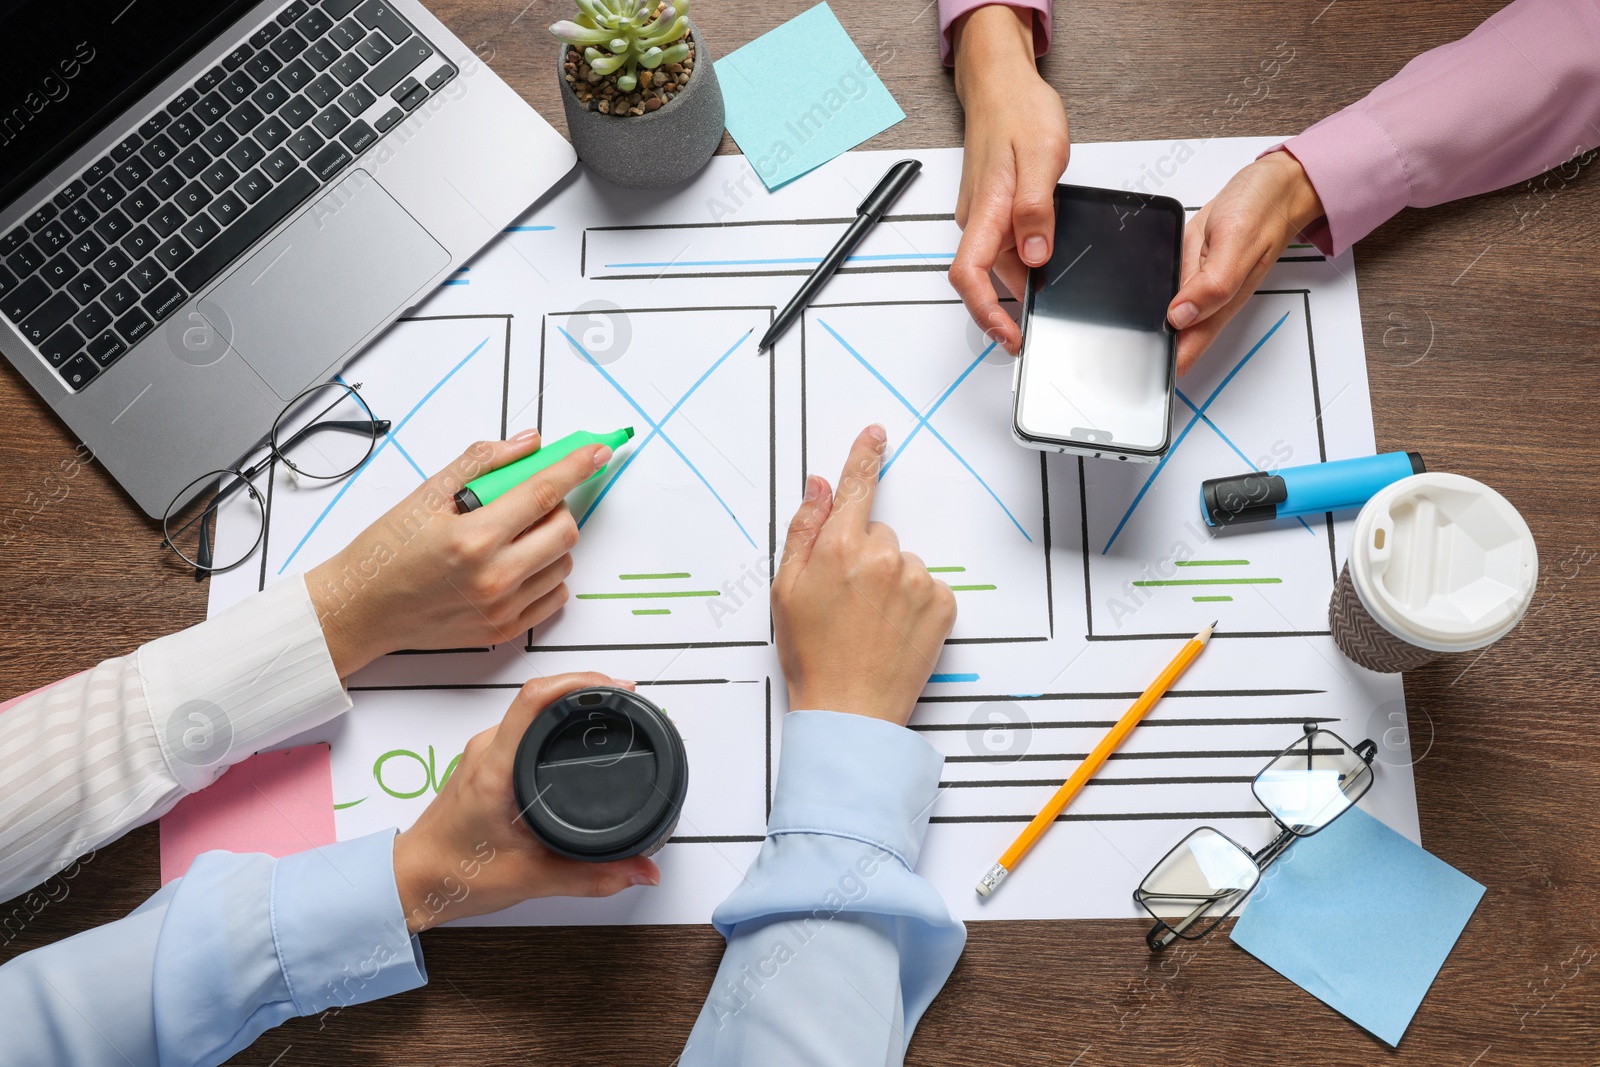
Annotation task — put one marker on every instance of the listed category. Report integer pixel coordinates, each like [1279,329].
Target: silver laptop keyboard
[128,241]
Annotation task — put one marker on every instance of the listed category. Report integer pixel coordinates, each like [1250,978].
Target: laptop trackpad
[297,305]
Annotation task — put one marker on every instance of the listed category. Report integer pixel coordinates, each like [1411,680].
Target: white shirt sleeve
[89,758]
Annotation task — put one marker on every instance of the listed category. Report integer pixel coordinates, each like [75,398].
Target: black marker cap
[1252,497]
[466,500]
[601,775]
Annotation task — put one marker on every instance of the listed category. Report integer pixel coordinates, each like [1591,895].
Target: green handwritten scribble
[347,804]
[946,570]
[430,777]
[648,596]
[653,577]
[971,588]
[1212,581]
[1211,562]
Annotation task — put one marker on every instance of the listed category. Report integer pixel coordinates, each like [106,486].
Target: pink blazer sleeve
[950,10]
[1517,96]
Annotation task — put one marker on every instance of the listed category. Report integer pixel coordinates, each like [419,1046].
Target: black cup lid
[600,774]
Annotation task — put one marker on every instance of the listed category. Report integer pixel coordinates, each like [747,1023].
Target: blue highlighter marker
[1310,490]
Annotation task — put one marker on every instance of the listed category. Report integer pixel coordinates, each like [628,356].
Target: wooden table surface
[1480,323]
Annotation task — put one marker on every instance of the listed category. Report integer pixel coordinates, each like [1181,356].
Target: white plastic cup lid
[1443,562]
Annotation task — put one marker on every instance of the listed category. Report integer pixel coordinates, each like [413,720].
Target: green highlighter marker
[497,483]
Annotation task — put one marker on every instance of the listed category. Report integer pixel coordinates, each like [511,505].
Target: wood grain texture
[1480,321]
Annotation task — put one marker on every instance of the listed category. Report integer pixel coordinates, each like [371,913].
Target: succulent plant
[620,36]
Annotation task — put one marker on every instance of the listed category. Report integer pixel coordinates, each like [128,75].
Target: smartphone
[1098,361]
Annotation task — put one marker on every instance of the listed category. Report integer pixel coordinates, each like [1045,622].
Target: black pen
[872,209]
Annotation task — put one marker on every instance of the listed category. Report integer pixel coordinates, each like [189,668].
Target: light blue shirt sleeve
[197,972]
[835,945]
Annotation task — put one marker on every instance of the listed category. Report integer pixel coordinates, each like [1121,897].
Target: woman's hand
[426,576]
[1017,143]
[1232,242]
[470,852]
[859,623]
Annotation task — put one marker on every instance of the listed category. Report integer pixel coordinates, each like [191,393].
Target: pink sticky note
[275,802]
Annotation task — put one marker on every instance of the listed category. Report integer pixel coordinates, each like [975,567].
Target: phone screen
[1097,359]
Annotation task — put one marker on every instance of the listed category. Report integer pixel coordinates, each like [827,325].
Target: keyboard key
[80,216]
[59,271]
[8,281]
[261,37]
[210,79]
[246,154]
[158,152]
[376,15]
[252,186]
[237,87]
[86,248]
[191,161]
[321,54]
[154,125]
[272,133]
[236,58]
[18,302]
[296,76]
[166,182]
[339,8]
[198,230]
[293,13]
[397,65]
[134,325]
[304,143]
[106,347]
[114,264]
[356,99]
[140,203]
[374,47]
[25,260]
[78,372]
[324,91]
[313,25]
[147,275]
[348,34]
[92,319]
[218,139]
[164,299]
[297,112]
[113,226]
[271,96]
[52,238]
[226,207]
[183,102]
[69,193]
[126,147]
[440,76]
[244,118]
[61,346]
[37,220]
[388,120]
[48,317]
[185,128]
[166,219]
[86,286]
[173,251]
[262,66]
[328,162]
[212,109]
[194,197]
[141,242]
[271,210]
[100,171]
[358,136]
[13,241]
[134,173]
[120,297]
[331,121]
[288,46]
[280,165]
[348,69]
[105,196]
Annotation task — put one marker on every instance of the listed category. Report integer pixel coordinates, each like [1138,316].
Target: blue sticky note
[1360,918]
[800,95]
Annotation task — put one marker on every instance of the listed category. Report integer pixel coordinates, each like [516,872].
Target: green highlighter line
[490,487]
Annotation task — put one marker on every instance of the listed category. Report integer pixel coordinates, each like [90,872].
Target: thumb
[806,525]
[1228,256]
[534,697]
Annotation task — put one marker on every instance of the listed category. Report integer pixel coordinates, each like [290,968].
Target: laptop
[207,206]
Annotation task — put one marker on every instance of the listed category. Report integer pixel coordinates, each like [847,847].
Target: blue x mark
[1199,413]
[656,428]
[923,423]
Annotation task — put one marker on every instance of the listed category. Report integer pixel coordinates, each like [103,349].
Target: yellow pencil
[1093,762]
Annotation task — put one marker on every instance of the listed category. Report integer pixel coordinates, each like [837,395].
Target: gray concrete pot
[658,148]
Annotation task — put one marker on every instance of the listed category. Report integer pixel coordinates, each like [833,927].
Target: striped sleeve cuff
[247,679]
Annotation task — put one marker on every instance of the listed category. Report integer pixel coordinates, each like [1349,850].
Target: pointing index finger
[858,485]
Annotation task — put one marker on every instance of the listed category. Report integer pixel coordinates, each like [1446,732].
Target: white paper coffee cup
[1438,563]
